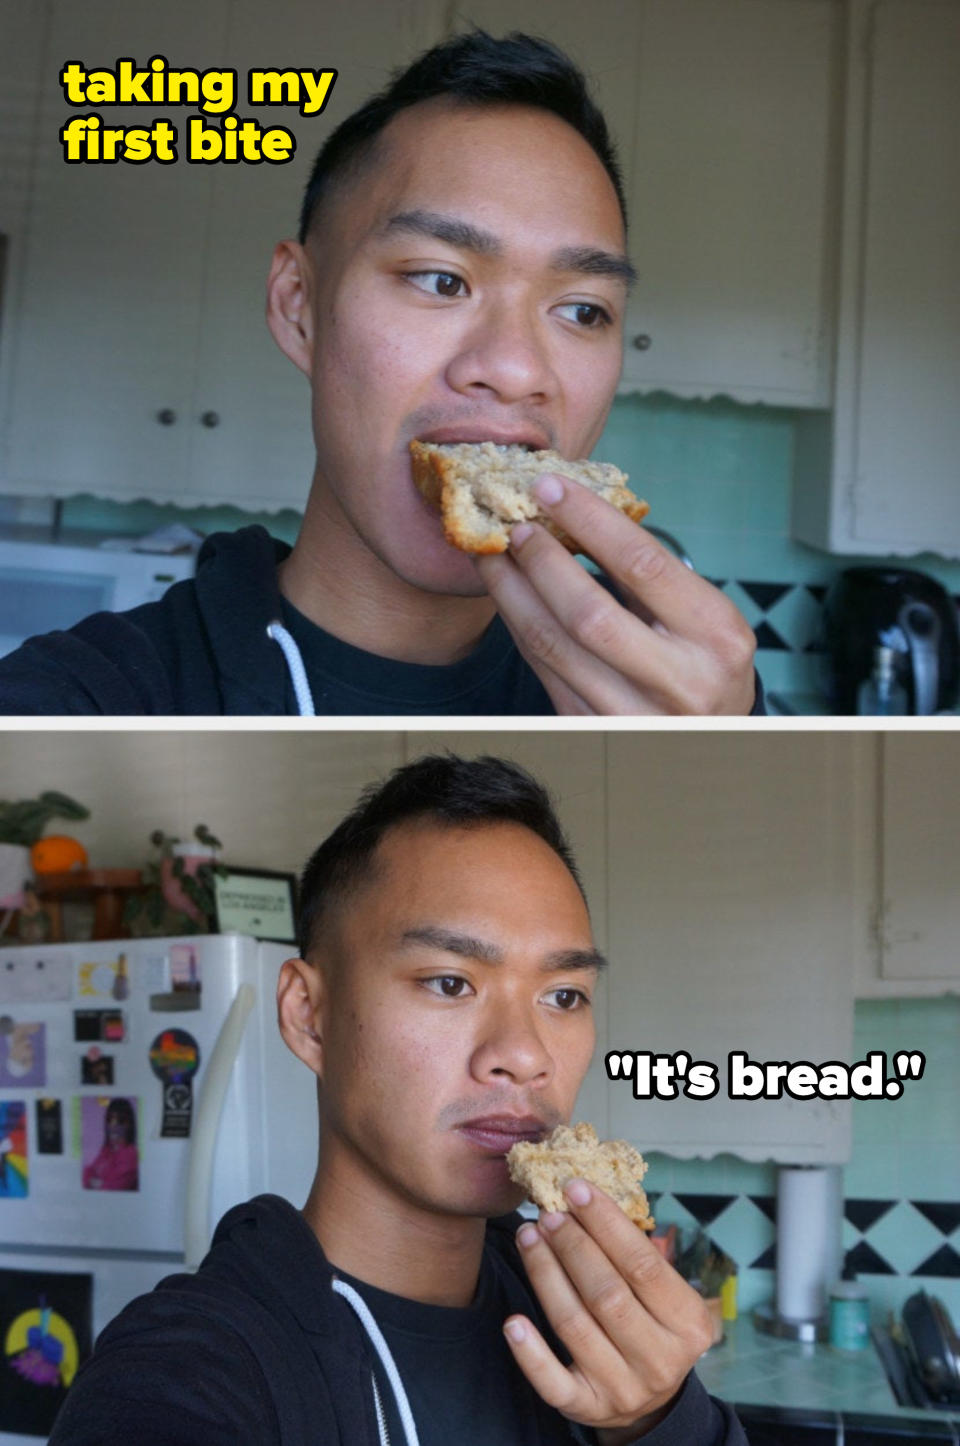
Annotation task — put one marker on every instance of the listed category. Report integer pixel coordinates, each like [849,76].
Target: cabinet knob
[166,417]
[643,342]
[210,419]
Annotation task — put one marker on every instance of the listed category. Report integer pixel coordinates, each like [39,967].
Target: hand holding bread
[667,642]
[632,1326]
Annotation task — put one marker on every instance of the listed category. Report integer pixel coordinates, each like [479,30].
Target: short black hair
[465,792]
[474,69]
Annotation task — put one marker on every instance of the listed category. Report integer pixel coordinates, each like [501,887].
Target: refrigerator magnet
[49,1127]
[14,1167]
[96,1025]
[96,1068]
[108,1142]
[23,1056]
[39,978]
[175,1059]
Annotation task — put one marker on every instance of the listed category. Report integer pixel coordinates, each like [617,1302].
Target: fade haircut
[472,69]
[462,792]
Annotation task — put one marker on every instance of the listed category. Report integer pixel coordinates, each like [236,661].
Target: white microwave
[45,585]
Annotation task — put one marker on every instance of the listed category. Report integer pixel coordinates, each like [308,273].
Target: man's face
[457,1018]
[459,294]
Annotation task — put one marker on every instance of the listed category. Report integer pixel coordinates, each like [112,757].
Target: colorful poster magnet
[14,1168]
[175,1059]
[46,1328]
[49,1127]
[23,1054]
[108,1142]
[98,1025]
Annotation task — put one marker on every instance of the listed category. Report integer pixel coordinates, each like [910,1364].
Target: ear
[299,996]
[290,303]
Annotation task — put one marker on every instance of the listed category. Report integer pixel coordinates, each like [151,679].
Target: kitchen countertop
[752,1368]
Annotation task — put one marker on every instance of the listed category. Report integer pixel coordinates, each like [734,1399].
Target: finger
[588,612]
[683,601]
[665,1296]
[545,644]
[559,1386]
[570,1309]
[606,1293]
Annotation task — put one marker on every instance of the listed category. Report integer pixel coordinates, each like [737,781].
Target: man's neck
[392,1244]
[334,579]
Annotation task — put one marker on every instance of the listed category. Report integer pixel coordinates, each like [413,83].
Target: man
[460,274]
[443,1002]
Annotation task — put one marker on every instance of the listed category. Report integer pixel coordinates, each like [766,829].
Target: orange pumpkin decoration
[57,854]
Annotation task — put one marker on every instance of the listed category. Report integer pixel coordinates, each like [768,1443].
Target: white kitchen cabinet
[731,193]
[880,474]
[908,899]
[719,870]
[730,928]
[139,360]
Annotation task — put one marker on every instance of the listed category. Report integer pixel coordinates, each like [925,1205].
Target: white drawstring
[298,673]
[353,1298]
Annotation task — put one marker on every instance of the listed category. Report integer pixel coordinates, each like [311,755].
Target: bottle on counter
[849,1313]
[880,695]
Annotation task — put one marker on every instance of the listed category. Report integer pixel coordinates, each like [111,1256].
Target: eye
[449,986]
[567,999]
[586,314]
[438,283]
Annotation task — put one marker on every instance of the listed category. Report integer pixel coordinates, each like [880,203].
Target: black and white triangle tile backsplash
[907,1238]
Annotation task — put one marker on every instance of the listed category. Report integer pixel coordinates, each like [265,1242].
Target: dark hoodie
[257,1349]
[204,649]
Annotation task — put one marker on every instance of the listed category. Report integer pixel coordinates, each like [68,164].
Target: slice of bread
[574,1151]
[482,488]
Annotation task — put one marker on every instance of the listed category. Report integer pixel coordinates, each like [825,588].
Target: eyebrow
[467,946]
[586,260]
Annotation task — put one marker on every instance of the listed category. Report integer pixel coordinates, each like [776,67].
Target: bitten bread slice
[482,488]
[574,1150]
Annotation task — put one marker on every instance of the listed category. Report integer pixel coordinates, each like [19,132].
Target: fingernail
[549,489]
[515,1329]
[519,533]
[552,1219]
[578,1192]
[528,1235]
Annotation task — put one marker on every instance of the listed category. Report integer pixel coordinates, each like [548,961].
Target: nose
[511,1049]
[504,355]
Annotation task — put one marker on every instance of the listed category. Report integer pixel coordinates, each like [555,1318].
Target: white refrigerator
[144,1090]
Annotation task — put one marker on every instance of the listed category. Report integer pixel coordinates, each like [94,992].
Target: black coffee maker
[884,607]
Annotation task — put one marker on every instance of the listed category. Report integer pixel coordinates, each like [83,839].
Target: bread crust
[440,472]
[574,1151]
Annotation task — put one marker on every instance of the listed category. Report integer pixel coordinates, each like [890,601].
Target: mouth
[496,1134]
[530,440]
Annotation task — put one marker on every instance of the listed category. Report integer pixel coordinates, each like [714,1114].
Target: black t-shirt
[460,1377]
[492,680]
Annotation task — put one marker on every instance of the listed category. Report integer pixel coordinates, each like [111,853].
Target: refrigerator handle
[200,1167]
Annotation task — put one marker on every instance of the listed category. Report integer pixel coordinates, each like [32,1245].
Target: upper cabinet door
[107,289]
[730,927]
[907,473]
[918,922]
[730,197]
[880,476]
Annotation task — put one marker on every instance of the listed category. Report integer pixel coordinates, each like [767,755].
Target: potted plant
[21,826]
[178,893]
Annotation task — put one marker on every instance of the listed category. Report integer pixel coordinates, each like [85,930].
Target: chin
[425,560]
